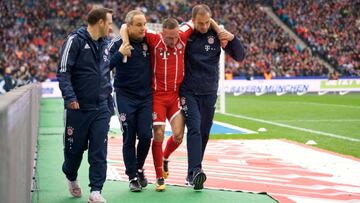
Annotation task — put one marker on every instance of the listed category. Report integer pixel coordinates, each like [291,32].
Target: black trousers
[199,113]
[87,130]
[135,116]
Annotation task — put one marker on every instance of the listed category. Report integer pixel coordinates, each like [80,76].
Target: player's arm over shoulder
[151,36]
[186,29]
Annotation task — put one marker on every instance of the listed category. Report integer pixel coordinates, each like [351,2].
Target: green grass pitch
[329,120]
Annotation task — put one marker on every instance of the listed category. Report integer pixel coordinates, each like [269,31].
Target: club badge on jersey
[105,56]
[179,46]
[145,49]
[211,41]
[154,115]
[122,117]
[69,131]
[183,100]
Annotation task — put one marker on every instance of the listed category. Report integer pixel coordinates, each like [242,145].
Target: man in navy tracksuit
[133,97]
[198,93]
[84,80]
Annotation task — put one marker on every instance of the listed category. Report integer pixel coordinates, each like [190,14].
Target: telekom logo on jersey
[164,55]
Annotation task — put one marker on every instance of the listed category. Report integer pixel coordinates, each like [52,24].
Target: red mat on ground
[287,171]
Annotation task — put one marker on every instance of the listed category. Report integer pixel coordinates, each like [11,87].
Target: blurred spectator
[9,81]
[268,75]
[333,75]
[228,74]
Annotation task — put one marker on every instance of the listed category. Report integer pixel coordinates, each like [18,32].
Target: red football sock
[157,157]
[171,146]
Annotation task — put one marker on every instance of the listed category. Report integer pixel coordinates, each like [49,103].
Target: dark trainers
[188,181]
[142,179]
[160,185]
[134,185]
[199,179]
[165,168]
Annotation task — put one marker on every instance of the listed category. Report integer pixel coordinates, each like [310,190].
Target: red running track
[257,166]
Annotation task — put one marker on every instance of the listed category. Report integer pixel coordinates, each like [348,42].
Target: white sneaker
[95,197]
[74,188]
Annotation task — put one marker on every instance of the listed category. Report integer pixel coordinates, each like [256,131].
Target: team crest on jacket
[105,56]
[183,101]
[145,47]
[122,117]
[211,39]
[69,131]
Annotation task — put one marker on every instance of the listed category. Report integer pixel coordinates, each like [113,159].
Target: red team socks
[157,157]
[158,153]
[171,146]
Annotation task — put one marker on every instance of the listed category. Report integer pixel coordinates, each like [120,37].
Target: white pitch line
[320,120]
[324,104]
[294,127]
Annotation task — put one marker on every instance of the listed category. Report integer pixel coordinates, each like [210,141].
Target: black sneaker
[199,179]
[134,185]
[188,181]
[142,179]
[165,168]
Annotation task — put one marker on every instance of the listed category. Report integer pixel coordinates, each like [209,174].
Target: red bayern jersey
[168,63]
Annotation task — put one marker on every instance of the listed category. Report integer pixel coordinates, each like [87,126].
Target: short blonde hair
[130,16]
[170,23]
[200,9]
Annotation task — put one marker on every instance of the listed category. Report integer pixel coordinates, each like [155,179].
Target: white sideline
[294,127]
[319,120]
[323,104]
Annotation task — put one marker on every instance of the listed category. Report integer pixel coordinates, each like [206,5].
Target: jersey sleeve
[186,30]
[151,37]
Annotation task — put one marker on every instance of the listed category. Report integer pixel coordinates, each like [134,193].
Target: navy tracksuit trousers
[199,113]
[87,129]
[135,117]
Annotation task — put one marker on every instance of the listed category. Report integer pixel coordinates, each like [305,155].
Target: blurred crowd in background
[32,32]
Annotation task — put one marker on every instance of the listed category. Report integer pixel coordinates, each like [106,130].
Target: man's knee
[178,136]
[145,140]
[193,129]
[178,126]
[145,135]
[178,133]
[159,133]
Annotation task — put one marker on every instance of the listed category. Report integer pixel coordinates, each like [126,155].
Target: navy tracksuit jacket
[199,90]
[84,76]
[133,98]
